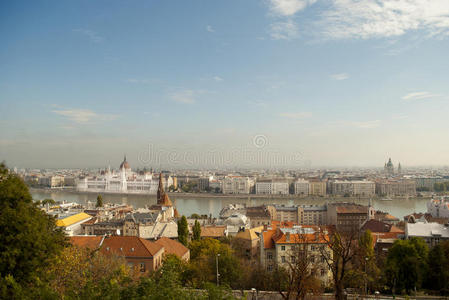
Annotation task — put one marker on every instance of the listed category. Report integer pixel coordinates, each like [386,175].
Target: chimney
[287,236]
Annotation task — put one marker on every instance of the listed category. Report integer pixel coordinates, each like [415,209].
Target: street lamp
[218,275]
[366,276]
[254,292]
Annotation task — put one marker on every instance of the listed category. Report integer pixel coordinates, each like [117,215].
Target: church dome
[125,164]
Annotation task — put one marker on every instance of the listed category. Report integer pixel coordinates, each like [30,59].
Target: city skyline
[320,83]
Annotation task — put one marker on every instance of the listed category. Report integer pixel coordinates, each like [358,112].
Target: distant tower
[399,168]
[389,167]
[123,182]
[162,197]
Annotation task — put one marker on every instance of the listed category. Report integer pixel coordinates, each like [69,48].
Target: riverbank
[181,195]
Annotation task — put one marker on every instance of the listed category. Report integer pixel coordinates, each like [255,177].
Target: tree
[342,252]
[298,276]
[80,273]
[48,201]
[99,201]
[29,238]
[203,257]
[196,231]
[406,265]
[438,275]
[183,231]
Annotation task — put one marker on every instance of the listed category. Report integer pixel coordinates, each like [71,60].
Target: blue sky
[333,82]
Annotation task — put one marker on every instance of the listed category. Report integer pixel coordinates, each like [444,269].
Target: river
[203,204]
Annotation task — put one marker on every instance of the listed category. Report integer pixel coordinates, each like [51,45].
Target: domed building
[389,167]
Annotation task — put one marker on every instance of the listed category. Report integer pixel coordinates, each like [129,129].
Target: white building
[438,208]
[236,185]
[272,188]
[432,233]
[301,187]
[123,182]
[353,187]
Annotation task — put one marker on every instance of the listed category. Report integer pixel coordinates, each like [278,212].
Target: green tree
[196,231]
[48,201]
[80,273]
[29,238]
[406,265]
[99,201]
[204,256]
[438,275]
[183,231]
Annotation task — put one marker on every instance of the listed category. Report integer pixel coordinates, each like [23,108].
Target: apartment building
[352,187]
[271,187]
[236,185]
[282,247]
[301,187]
[401,187]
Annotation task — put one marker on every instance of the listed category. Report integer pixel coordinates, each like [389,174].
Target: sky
[297,83]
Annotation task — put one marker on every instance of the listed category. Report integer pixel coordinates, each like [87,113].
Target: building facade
[301,187]
[272,187]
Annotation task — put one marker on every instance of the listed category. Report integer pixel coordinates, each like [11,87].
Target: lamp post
[218,274]
[254,292]
[366,276]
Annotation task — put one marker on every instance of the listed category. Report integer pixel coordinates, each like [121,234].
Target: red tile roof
[268,238]
[213,231]
[130,246]
[283,224]
[91,242]
[172,247]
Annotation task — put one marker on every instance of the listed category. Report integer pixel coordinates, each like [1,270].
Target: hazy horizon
[274,83]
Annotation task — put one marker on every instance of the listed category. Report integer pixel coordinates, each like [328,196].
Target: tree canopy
[29,238]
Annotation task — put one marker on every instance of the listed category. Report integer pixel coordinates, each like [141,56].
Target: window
[293,259]
[322,272]
[142,267]
[269,268]
[283,248]
[269,256]
[283,259]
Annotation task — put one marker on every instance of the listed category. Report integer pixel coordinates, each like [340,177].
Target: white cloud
[218,78]
[340,76]
[297,115]
[288,7]
[419,95]
[184,96]
[388,18]
[284,30]
[92,35]
[364,19]
[82,116]
[210,29]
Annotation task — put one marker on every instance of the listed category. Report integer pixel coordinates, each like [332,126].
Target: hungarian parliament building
[125,181]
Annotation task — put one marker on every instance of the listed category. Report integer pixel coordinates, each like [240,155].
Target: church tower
[399,168]
[162,197]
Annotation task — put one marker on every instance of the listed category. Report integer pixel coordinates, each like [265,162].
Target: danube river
[205,204]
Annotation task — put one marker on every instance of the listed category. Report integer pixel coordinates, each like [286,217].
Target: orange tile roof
[91,242]
[283,224]
[213,231]
[130,246]
[396,229]
[172,247]
[268,238]
[301,238]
